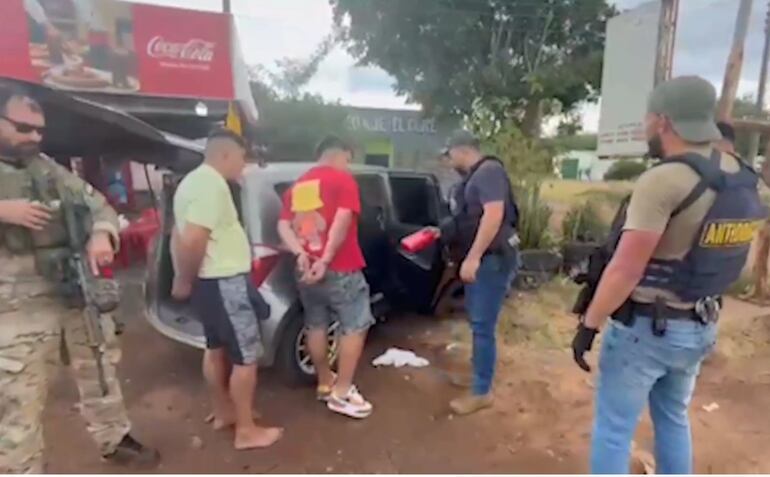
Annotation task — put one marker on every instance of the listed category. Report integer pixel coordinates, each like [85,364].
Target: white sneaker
[352,404]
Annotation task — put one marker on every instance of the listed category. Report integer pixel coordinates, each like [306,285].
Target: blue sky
[274,29]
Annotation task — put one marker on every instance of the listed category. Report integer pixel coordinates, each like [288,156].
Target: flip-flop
[323,391]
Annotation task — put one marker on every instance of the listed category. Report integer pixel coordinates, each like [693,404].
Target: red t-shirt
[310,205]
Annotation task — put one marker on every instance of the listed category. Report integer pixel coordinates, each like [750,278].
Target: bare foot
[257,437]
[219,424]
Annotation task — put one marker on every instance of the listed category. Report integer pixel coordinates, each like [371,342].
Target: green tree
[521,58]
[291,127]
[625,170]
[579,142]
[527,162]
[292,122]
[524,157]
[571,125]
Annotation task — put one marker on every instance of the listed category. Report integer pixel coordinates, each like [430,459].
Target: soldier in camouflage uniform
[33,319]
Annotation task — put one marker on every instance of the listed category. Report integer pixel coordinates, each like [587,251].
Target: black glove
[583,341]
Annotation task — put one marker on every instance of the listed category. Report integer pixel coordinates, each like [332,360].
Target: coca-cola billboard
[117,47]
[179,60]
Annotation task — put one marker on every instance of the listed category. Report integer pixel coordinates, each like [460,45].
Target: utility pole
[734,62]
[669,13]
[754,138]
[226,6]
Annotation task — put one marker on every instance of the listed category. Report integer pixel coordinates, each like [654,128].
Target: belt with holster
[706,311]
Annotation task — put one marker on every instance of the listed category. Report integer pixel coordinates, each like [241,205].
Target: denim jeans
[483,301]
[636,367]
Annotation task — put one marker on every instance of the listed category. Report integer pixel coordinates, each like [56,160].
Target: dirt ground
[540,423]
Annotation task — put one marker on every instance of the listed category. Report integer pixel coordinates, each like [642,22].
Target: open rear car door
[420,278]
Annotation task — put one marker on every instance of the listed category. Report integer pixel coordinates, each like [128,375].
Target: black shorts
[228,317]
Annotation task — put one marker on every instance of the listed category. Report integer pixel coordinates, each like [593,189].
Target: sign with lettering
[627,79]
[392,124]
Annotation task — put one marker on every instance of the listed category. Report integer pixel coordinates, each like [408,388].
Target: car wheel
[294,357]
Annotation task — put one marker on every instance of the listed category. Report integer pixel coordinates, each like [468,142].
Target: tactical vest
[721,246]
[47,246]
[465,223]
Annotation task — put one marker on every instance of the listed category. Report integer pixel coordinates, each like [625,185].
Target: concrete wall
[410,139]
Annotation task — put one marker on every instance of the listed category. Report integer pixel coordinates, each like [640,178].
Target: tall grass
[534,215]
[584,223]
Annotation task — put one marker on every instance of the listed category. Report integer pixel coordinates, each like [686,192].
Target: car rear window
[413,200]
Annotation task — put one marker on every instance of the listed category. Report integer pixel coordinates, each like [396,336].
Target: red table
[136,239]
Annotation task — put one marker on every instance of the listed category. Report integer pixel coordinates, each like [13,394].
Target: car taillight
[264,259]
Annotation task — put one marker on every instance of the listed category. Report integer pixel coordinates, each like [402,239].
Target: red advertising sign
[194,54]
[117,47]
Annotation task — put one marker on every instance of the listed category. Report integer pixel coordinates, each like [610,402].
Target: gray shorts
[339,296]
[228,317]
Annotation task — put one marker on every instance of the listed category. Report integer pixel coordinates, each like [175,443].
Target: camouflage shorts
[228,317]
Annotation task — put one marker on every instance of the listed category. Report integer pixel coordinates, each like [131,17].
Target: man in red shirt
[319,224]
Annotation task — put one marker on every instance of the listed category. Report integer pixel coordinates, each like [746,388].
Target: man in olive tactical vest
[33,317]
[685,238]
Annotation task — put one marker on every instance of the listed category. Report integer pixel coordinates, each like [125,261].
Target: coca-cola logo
[194,50]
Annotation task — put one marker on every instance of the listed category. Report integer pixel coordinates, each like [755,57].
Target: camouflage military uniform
[32,319]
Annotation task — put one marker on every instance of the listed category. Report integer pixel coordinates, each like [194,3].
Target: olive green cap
[689,102]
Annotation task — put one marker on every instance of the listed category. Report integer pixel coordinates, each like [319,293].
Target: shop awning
[77,127]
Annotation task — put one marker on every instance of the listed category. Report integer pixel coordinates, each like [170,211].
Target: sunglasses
[24,128]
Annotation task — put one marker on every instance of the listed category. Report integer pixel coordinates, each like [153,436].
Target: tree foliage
[291,127]
[515,56]
[527,162]
[579,142]
[523,157]
[625,170]
[292,123]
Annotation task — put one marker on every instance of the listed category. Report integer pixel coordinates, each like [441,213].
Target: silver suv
[394,204]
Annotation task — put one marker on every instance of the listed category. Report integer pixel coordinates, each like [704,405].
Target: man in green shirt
[212,260]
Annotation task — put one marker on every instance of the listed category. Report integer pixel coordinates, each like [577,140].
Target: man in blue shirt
[482,235]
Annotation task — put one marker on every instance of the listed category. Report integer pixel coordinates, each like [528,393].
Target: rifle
[591,270]
[79,281]
[589,276]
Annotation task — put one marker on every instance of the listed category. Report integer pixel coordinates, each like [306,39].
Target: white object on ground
[711,407]
[122,222]
[400,358]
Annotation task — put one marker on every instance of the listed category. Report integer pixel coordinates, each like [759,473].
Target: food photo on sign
[83,44]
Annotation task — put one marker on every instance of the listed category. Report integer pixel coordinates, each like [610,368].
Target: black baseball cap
[461,138]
